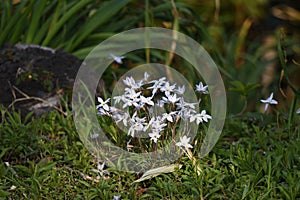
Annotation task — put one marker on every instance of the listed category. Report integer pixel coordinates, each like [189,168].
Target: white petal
[273,102]
[266,106]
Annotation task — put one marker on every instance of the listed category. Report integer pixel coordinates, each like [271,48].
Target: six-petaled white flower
[167,88]
[298,111]
[154,136]
[268,101]
[201,88]
[171,98]
[184,142]
[200,117]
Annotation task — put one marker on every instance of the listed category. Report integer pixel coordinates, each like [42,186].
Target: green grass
[257,155]
[254,159]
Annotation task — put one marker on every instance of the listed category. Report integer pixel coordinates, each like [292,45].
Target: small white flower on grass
[117,59]
[298,111]
[200,117]
[201,88]
[117,197]
[154,136]
[184,142]
[268,101]
[100,170]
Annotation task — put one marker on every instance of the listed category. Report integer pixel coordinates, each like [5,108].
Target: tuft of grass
[45,158]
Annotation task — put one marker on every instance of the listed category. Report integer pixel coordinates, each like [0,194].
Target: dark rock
[41,73]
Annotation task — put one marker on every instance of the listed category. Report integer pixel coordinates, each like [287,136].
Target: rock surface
[33,77]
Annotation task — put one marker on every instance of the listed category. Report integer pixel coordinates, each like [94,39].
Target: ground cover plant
[258,153]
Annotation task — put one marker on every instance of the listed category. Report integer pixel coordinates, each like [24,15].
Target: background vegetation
[256,47]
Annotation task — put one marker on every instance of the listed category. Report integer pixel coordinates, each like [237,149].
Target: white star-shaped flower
[146,100]
[169,116]
[184,142]
[298,111]
[167,88]
[171,98]
[201,88]
[154,136]
[157,84]
[102,108]
[200,117]
[117,59]
[268,101]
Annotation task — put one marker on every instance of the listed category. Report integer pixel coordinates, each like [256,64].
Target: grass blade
[56,26]
[11,24]
[36,15]
[102,15]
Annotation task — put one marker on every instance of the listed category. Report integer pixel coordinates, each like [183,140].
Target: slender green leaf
[66,16]
[102,15]
[36,14]
[11,24]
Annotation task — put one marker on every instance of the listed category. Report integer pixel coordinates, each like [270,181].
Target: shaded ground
[33,77]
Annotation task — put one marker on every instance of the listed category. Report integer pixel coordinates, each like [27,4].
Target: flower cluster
[137,108]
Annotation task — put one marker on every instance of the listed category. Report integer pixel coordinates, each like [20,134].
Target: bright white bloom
[167,88]
[157,124]
[117,59]
[201,88]
[184,142]
[298,111]
[102,108]
[154,136]
[103,104]
[171,98]
[157,84]
[169,116]
[129,81]
[146,100]
[200,117]
[137,124]
[131,98]
[268,101]
[186,105]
